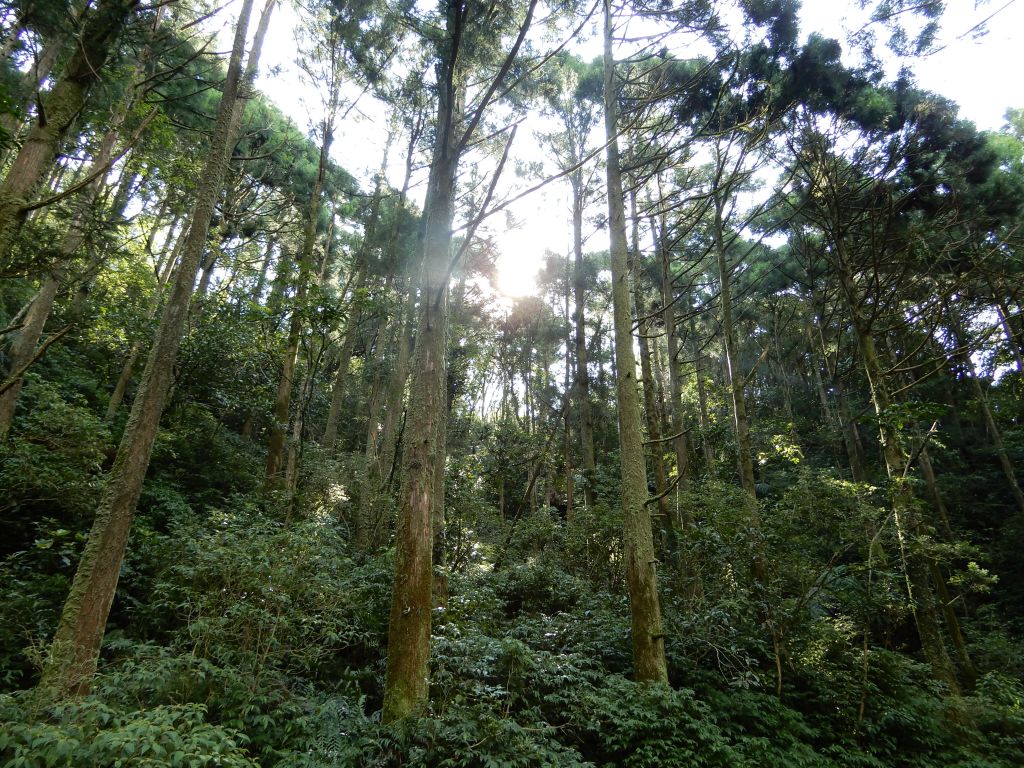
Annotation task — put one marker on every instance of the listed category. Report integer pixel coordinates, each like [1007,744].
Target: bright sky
[981,73]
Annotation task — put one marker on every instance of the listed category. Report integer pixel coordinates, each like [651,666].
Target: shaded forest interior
[286,482]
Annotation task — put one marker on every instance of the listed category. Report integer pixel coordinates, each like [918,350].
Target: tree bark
[29,336]
[117,396]
[24,344]
[649,663]
[406,689]
[702,398]
[381,455]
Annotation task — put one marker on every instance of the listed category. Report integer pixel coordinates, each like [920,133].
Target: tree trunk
[566,421]
[282,403]
[102,26]
[582,381]
[851,433]
[355,311]
[348,345]
[981,397]
[369,528]
[384,468]
[381,463]
[641,573]
[675,402]
[261,280]
[735,377]
[995,435]
[24,344]
[406,688]
[28,337]
[117,396]
[69,669]
[702,398]
[656,449]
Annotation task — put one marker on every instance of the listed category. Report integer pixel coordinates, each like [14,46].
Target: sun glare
[521,257]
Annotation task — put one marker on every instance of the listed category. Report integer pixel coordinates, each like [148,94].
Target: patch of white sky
[979,71]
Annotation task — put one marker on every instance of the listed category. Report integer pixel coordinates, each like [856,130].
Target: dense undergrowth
[248,632]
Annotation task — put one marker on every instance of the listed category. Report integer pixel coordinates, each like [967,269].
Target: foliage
[92,734]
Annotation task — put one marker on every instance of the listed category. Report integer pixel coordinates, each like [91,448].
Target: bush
[91,734]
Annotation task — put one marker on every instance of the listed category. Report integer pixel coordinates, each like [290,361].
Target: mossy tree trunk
[652,415]
[73,656]
[648,636]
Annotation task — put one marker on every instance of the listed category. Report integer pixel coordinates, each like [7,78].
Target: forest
[287,482]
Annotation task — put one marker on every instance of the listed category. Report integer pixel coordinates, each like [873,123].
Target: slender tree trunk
[582,381]
[69,668]
[851,433]
[406,687]
[348,345]
[567,389]
[702,398]
[261,280]
[1014,339]
[355,311]
[28,337]
[649,663]
[282,403]
[994,433]
[13,122]
[291,472]
[656,449]
[117,396]
[735,377]
[675,404]
[368,525]
[381,465]
[388,453]
[285,384]
[968,671]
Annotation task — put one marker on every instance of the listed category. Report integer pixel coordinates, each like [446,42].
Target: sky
[981,72]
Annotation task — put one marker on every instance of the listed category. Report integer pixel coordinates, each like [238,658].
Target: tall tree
[649,663]
[76,645]
[406,686]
